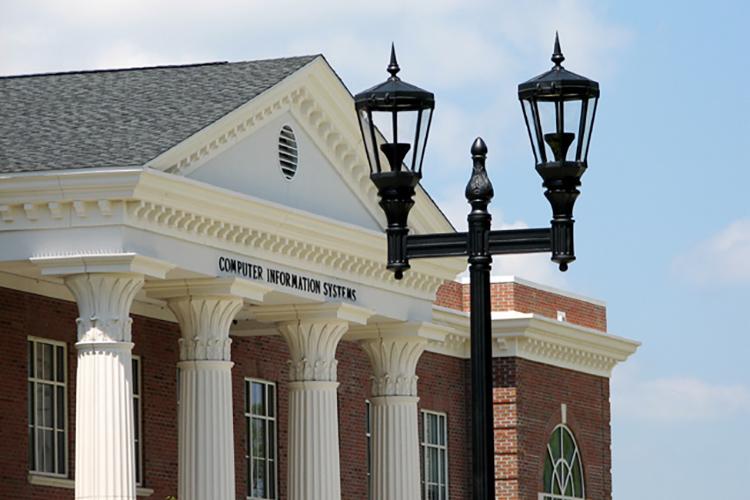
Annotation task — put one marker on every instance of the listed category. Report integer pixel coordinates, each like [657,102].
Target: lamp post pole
[561,159]
[479,192]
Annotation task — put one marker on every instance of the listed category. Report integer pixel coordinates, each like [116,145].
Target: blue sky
[663,230]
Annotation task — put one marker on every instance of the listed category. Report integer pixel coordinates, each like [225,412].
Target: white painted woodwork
[314,469]
[105,455]
[205,427]
[395,435]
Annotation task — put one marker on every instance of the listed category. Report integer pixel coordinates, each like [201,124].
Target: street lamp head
[394,118]
[559,108]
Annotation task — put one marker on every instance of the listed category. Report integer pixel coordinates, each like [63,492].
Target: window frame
[137,364]
[423,456]
[547,493]
[248,447]
[368,448]
[31,415]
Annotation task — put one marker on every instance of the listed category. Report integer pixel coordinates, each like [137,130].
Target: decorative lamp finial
[393,67]
[557,56]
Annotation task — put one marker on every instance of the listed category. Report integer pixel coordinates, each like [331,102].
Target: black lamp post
[559,108]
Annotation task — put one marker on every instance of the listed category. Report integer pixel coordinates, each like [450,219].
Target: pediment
[308,181]
[240,152]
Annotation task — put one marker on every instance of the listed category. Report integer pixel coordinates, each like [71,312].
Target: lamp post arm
[514,241]
[506,241]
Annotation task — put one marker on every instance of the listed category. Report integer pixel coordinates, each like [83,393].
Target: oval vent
[288,153]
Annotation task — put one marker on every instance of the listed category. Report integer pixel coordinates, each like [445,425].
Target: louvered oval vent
[288,153]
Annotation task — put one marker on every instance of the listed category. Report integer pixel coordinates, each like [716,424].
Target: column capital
[104,301]
[204,325]
[312,348]
[394,361]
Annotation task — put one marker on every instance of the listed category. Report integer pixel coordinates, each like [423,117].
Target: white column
[314,471]
[105,460]
[395,439]
[205,425]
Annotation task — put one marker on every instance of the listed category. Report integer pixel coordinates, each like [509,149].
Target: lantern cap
[394,93]
[558,83]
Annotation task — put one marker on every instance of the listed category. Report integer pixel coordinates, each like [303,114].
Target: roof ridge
[145,68]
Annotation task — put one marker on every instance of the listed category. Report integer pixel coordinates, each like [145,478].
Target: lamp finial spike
[393,67]
[557,56]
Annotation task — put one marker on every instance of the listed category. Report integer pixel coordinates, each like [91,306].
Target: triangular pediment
[296,174]
[241,152]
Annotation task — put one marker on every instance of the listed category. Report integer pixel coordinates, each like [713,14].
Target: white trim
[275,419]
[54,383]
[198,212]
[70,484]
[138,402]
[424,444]
[465,280]
[537,338]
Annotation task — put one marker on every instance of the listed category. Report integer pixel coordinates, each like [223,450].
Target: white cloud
[722,259]
[675,399]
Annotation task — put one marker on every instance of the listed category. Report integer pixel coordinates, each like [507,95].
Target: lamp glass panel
[367,137]
[589,125]
[397,128]
[528,116]
[548,122]
[572,125]
[424,120]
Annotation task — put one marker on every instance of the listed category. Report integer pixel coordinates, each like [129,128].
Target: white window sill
[64,482]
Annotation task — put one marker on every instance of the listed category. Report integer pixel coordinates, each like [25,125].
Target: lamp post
[395,117]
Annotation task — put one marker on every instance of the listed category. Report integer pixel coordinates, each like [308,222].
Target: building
[194,302]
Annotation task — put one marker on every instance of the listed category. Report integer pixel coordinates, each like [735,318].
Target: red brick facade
[528,396]
[514,296]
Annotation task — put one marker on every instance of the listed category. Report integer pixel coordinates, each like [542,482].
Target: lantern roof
[395,92]
[558,82]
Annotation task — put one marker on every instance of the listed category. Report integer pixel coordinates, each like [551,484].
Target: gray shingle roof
[117,118]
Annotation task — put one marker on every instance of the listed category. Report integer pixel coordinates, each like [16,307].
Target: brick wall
[527,406]
[526,299]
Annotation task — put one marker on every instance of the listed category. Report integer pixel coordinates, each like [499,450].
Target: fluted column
[314,471]
[395,438]
[105,460]
[205,426]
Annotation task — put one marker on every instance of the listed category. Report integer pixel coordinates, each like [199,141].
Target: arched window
[563,470]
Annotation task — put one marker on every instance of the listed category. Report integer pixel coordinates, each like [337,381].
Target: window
[48,443]
[434,456]
[563,471]
[368,438]
[260,415]
[137,420]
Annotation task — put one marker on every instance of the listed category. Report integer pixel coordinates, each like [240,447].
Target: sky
[663,224]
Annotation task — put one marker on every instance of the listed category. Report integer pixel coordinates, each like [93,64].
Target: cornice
[537,338]
[198,212]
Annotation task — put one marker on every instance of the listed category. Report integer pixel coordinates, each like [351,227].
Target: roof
[119,118]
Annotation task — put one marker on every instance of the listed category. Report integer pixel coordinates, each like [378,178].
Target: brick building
[193,302]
